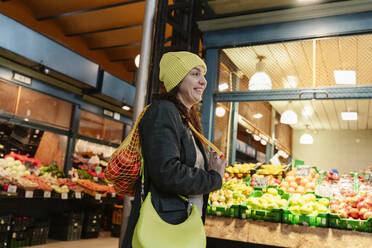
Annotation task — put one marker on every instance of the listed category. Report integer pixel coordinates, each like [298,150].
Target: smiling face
[192,87]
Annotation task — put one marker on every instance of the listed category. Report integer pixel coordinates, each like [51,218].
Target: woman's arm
[160,141]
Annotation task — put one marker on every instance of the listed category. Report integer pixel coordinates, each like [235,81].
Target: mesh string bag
[124,167]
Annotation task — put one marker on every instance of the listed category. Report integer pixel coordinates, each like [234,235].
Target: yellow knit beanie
[174,66]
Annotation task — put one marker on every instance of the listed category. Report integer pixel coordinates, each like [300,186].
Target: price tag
[95,179]
[29,194]
[303,171]
[323,191]
[47,194]
[261,182]
[64,196]
[98,197]
[12,188]
[74,179]
[113,195]
[78,195]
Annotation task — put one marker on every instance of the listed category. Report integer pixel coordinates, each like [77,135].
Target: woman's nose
[203,80]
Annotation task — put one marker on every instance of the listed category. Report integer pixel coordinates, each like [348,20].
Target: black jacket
[169,158]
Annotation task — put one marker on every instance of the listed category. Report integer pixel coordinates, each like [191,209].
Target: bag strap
[204,140]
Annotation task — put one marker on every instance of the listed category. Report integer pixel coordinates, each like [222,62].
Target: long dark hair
[191,115]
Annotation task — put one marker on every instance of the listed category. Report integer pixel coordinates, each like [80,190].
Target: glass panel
[336,61]
[44,108]
[97,127]
[45,146]
[222,130]
[343,144]
[8,96]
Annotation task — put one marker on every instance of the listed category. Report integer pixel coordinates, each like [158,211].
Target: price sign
[12,189]
[74,179]
[29,194]
[47,194]
[78,195]
[261,182]
[323,191]
[64,196]
[303,171]
[98,197]
[113,195]
[95,179]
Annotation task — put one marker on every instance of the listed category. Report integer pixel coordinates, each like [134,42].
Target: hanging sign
[261,182]
[303,170]
[12,188]
[47,194]
[64,196]
[29,194]
[78,195]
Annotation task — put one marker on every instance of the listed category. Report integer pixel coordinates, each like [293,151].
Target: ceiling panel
[125,15]
[327,113]
[123,52]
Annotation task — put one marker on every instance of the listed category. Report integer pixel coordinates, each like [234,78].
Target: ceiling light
[248,130]
[260,80]
[137,60]
[125,107]
[220,111]
[257,116]
[256,137]
[349,116]
[288,117]
[223,87]
[307,111]
[345,77]
[290,82]
[306,139]
[263,142]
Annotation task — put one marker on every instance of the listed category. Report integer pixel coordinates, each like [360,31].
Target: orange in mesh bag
[124,167]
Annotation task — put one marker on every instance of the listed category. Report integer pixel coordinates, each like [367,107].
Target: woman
[175,161]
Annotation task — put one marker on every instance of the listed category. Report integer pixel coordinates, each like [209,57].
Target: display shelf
[283,235]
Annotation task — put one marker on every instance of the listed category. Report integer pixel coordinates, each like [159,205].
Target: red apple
[362,204]
[354,213]
[342,213]
[362,212]
[367,215]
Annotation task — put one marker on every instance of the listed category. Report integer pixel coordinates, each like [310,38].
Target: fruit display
[272,170]
[24,158]
[95,186]
[239,170]
[11,167]
[356,206]
[70,184]
[51,169]
[307,204]
[42,185]
[233,191]
[299,184]
[267,201]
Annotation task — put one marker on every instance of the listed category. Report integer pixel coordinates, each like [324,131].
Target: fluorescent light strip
[345,77]
[349,116]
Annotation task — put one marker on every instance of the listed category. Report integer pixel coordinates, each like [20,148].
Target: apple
[362,212]
[342,214]
[354,213]
[367,215]
[361,205]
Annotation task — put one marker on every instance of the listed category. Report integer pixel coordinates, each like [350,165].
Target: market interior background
[68,79]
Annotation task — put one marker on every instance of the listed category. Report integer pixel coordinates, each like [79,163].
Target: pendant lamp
[288,116]
[306,138]
[260,80]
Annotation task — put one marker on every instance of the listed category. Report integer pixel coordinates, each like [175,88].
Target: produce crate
[90,231]
[69,218]
[321,220]
[5,219]
[21,223]
[274,215]
[17,243]
[115,230]
[335,221]
[66,233]
[39,233]
[233,211]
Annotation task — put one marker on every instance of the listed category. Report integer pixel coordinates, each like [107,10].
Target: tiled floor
[103,241]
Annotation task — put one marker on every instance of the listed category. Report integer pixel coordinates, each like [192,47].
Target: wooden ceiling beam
[86,10]
[136,44]
[104,30]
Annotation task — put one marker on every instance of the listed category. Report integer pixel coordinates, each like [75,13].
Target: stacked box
[335,221]
[39,233]
[115,230]
[20,231]
[67,227]
[5,227]
[91,225]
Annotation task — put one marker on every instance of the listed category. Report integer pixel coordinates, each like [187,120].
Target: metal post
[141,89]
[234,119]
[273,133]
[74,124]
[209,105]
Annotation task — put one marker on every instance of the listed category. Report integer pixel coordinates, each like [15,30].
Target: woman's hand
[217,163]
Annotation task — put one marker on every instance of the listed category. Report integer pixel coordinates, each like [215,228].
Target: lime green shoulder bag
[152,231]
